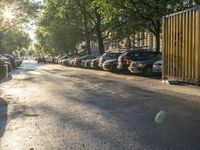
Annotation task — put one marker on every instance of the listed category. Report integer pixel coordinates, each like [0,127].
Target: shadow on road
[130,118]
[3,116]
[179,130]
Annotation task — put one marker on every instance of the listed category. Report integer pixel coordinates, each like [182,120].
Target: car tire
[113,68]
[148,71]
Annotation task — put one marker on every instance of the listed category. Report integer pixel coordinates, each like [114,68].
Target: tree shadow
[3,116]
[135,115]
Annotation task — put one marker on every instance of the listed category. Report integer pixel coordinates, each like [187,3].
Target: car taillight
[126,60]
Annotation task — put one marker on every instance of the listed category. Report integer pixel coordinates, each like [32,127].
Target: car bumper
[157,70]
[94,65]
[100,65]
[77,64]
[106,67]
[135,70]
[122,67]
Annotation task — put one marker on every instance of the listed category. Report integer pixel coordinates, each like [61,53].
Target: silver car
[157,66]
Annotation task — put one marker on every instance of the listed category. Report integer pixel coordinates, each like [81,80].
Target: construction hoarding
[181,46]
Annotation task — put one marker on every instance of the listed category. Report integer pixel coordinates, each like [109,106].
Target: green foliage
[13,14]
[137,15]
[14,41]
[65,23]
[21,10]
[60,27]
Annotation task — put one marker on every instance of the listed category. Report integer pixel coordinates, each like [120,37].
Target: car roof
[140,50]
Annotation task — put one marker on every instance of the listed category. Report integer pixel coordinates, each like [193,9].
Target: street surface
[52,107]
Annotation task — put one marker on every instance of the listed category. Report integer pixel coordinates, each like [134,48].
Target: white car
[157,66]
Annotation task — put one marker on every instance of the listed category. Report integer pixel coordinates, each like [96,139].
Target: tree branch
[83,10]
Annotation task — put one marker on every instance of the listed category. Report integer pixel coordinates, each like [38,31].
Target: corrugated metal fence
[181,46]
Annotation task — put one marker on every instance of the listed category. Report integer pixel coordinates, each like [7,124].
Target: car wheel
[113,68]
[148,71]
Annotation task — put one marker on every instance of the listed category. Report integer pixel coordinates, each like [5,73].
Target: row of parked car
[8,63]
[136,61]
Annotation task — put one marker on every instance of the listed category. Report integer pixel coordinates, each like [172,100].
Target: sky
[32,27]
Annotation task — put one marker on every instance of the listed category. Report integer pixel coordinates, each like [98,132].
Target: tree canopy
[16,12]
[13,14]
[141,14]
[14,41]
[63,24]
[71,21]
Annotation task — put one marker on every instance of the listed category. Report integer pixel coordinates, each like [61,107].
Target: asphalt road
[52,107]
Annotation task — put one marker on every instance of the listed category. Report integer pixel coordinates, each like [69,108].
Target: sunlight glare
[8,15]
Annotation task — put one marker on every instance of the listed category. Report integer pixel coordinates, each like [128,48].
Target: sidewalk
[188,91]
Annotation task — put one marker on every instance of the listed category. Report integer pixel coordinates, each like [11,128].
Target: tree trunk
[128,43]
[158,35]
[158,42]
[88,46]
[99,33]
[1,46]
[87,34]
[100,42]
[1,49]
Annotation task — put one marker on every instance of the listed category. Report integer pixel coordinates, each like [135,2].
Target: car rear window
[114,55]
[142,55]
[103,56]
[125,53]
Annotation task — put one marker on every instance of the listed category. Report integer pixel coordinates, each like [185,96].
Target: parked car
[11,60]
[52,59]
[95,63]
[66,62]
[18,61]
[79,60]
[125,59]
[110,65]
[89,62]
[7,62]
[41,59]
[144,63]
[3,69]
[60,60]
[157,66]
[72,61]
[108,56]
[58,57]
[83,63]
[9,67]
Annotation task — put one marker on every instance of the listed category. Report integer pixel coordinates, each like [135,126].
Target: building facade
[143,40]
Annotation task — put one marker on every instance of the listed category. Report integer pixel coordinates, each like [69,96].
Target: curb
[171,82]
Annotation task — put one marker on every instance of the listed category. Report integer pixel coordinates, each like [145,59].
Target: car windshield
[125,53]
